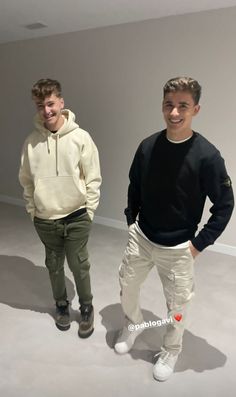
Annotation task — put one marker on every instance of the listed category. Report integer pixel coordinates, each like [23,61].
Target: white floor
[37,360]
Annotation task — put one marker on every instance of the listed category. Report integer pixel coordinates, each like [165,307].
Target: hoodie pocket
[60,194]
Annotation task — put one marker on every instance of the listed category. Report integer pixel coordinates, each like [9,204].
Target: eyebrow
[41,103]
[168,102]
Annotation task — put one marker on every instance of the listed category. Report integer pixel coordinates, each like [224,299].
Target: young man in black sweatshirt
[172,174]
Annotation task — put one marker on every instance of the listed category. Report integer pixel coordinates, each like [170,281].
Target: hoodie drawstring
[57,155]
[57,151]
[48,145]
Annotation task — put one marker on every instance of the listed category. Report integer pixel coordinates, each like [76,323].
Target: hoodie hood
[68,126]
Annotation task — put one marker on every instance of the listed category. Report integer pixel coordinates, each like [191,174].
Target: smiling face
[178,110]
[49,110]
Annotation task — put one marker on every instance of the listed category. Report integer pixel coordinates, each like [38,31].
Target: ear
[162,105]
[196,109]
[62,103]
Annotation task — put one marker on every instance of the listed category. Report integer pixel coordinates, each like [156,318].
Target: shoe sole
[85,335]
[63,327]
[160,379]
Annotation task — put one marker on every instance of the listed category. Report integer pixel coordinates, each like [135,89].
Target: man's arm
[134,191]
[91,171]
[193,250]
[26,182]
[218,187]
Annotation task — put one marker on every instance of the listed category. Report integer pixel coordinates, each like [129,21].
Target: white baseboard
[223,249]
[110,222]
[217,247]
[12,200]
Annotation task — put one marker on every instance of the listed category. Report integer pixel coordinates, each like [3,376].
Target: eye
[168,105]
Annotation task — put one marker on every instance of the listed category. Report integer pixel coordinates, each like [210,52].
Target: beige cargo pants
[175,269]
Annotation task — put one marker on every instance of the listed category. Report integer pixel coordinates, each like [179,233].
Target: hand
[193,250]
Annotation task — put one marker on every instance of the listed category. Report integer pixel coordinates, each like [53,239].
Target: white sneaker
[164,367]
[126,339]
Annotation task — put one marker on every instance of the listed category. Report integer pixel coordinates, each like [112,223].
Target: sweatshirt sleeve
[26,182]
[134,195]
[91,171]
[218,187]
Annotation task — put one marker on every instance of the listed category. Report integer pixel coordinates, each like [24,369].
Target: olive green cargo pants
[67,238]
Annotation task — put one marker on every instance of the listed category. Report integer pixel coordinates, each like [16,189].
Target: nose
[46,109]
[174,111]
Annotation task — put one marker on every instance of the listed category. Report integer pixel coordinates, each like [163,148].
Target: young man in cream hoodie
[60,174]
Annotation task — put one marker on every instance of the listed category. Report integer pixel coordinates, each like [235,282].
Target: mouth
[49,117]
[175,122]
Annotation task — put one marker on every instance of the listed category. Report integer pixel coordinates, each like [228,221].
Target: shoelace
[163,357]
[85,313]
[85,316]
[63,310]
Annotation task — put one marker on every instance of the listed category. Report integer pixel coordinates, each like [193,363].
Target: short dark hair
[184,84]
[46,87]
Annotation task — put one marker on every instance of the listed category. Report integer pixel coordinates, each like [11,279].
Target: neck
[178,136]
[57,125]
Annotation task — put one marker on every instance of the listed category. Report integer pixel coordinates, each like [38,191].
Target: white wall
[112,79]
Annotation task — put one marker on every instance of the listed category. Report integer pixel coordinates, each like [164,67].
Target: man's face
[178,110]
[49,110]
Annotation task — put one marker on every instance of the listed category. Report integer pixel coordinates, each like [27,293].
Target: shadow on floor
[197,353]
[26,286]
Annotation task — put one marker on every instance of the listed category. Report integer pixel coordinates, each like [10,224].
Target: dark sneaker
[86,324]
[62,317]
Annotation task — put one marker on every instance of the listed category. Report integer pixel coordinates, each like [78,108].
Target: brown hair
[46,87]
[184,84]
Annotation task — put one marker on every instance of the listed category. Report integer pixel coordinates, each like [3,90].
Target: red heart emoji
[178,316]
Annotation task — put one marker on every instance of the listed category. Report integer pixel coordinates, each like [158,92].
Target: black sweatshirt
[169,183]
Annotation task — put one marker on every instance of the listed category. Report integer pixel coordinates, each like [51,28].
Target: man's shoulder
[149,141]
[154,136]
[32,137]
[205,147]
[80,132]
[80,136]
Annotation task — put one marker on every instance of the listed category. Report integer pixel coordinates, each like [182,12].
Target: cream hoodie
[60,172]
